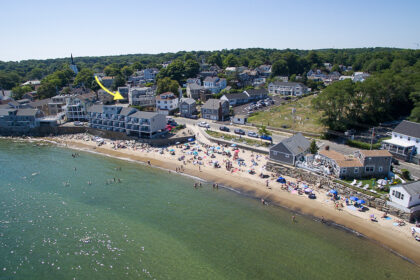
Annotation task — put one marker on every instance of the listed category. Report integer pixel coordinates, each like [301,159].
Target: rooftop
[375,153]
[408,128]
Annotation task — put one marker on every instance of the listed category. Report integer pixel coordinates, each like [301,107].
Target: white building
[286,88]
[141,96]
[405,141]
[214,84]
[166,103]
[406,197]
[128,120]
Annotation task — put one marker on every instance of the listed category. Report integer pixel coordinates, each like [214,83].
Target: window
[356,170]
[402,196]
[369,168]
[344,170]
[274,153]
[409,138]
[380,168]
[393,192]
[286,156]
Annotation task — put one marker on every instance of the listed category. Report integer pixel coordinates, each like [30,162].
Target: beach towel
[388,218]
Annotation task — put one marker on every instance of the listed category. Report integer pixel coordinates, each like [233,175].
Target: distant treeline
[392,91]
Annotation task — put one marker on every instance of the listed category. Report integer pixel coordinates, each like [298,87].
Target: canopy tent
[281,180]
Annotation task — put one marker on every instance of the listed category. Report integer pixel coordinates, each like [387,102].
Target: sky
[50,29]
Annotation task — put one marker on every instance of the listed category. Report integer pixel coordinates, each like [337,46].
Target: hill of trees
[392,91]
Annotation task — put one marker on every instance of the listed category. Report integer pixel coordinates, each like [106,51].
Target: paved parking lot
[243,109]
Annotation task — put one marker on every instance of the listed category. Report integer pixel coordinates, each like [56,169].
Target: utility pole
[371,139]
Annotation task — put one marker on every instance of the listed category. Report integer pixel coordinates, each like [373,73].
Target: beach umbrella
[172,150]
[177,143]
[354,198]
[195,153]
[217,148]
[190,139]
[233,145]
[333,191]
[361,201]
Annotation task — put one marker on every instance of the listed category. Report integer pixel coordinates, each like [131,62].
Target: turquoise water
[155,225]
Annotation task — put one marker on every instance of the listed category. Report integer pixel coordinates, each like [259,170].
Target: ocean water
[150,224]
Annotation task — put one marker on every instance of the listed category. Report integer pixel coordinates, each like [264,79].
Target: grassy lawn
[234,138]
[306,118]
[369,182]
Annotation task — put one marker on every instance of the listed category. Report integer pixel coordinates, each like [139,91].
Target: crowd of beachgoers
[230,164]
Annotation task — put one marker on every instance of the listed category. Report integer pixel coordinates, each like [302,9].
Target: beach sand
[396,238]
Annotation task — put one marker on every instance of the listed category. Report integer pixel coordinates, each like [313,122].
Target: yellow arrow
[117,95]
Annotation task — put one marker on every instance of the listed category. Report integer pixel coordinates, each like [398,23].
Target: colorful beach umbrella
[361,201]
[233,145]
[190,139]
[333,192]
[354,198]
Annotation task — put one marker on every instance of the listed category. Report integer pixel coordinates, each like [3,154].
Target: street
[277,137]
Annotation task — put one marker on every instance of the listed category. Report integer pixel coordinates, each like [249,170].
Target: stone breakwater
[327,183]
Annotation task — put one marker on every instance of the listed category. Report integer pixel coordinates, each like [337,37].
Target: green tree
[230,61]
[127,71]
[85,77]
[192,68]
[280,68]
[119,81]
[166,84]
[35,74]
[8,80]
[47,89]
[313,148]
[263,131]
[111,70]
[19,91]
[215,59]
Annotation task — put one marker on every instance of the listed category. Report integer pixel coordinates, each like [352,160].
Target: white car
[203,124]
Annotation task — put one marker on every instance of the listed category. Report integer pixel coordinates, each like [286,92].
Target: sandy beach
[199,160]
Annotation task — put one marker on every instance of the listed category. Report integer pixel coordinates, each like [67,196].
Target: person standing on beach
[294,219]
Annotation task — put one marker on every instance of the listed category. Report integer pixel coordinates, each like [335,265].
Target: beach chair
[366,187]
[354,182]
[359,185]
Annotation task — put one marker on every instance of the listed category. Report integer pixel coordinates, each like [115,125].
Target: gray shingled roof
[27,112]
[412,189]
[213,104]
[96,109]
[241,95]
[144,115]
[194,86]
[291,84]
[5,112]
[127,111]
[257,91]
[211,79]
[408,128]
[296,144]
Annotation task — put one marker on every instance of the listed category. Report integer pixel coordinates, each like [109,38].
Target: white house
[286,88]
[406,197]
[214,84]
[405,141]
[166,103]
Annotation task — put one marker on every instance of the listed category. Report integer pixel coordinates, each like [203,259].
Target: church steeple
[72,65]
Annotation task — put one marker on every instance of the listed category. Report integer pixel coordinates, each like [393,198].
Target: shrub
[405,174]
[362,145]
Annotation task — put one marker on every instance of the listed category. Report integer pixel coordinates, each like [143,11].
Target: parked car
[253,134]
[224,128]
[266,137]
[203,124]
[239,131]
